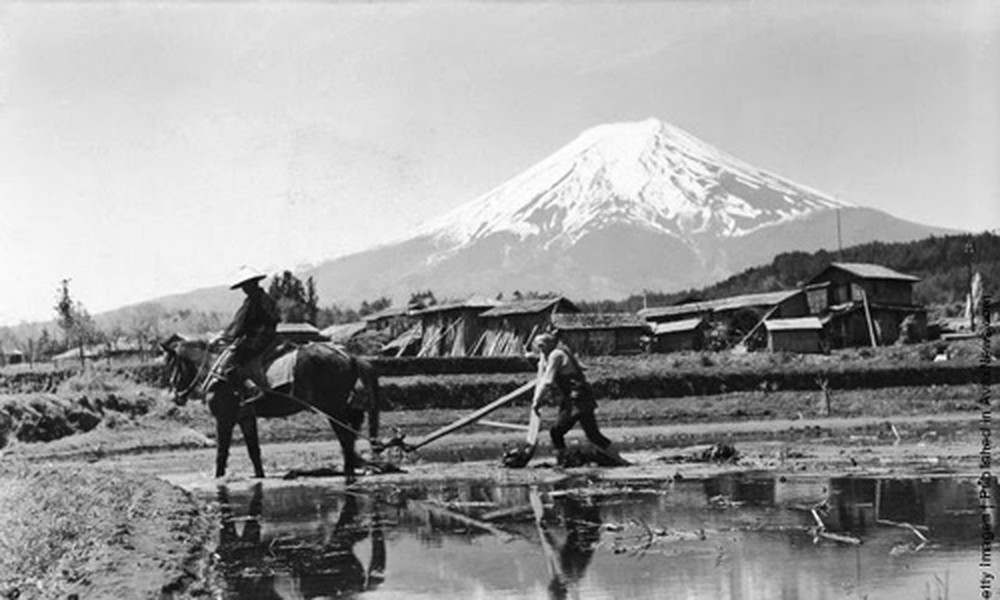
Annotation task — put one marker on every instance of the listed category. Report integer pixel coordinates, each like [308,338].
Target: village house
[11,356]
[803,335]
[598,334]
[864,304]
[678,336]
[509,328]
[393,321]
[782,304]
[454,328]
[735,315]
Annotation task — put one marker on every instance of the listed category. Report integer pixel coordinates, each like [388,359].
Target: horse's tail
[369,380]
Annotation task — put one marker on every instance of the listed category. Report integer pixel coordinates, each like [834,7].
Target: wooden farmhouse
[597,334]
[783,304]
[678,336]
[736,314]
[509,328]
[393,321]
[11,356]
[801,334]
[452,329]
[864,304]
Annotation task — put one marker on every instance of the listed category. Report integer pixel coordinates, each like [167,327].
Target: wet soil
[150,455]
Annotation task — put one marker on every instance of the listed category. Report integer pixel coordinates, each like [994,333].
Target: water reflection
[567,559]
[731,537]
[315,562]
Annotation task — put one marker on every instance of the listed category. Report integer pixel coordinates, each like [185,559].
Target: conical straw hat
[244,275]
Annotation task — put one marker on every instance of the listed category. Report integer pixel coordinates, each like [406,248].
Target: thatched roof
[577,321]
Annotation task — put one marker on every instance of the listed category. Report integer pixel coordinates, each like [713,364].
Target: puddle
[732,537]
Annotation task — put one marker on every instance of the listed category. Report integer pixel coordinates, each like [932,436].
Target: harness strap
[316,410]
[197,374]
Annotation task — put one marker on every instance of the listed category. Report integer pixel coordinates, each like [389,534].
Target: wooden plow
[477,416]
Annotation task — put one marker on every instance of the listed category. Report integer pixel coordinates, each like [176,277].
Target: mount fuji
[621,209]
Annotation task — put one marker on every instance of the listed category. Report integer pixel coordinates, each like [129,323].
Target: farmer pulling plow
[561,377]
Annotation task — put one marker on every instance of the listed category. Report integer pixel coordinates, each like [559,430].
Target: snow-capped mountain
[649,175]
[621,209]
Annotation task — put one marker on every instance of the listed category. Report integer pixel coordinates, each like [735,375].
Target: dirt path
[100,533]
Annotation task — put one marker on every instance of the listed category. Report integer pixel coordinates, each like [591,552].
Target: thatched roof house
[509,328]
[452,329]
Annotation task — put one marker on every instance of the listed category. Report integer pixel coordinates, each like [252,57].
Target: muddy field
[903,431]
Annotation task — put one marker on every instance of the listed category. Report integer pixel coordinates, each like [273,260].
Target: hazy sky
[152,149]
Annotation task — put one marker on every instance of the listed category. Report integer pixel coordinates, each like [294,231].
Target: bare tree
[75,321]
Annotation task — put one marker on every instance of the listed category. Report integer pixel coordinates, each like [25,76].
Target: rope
[317,410]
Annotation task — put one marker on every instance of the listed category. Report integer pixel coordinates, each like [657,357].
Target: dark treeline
[941,263]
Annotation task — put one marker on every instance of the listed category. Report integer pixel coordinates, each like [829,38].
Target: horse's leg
[248,425]
[224,437]
[346,437]
[225,408]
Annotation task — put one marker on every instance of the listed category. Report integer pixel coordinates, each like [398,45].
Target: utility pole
[840,242]
[970,250]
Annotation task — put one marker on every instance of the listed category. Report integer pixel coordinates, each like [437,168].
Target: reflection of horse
[324,380]
[258,568]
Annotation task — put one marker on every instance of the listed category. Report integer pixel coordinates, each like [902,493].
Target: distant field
[43,404]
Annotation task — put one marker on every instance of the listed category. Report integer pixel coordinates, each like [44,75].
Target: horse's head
[184,359]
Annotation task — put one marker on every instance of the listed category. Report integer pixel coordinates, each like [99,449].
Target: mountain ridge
[620,209]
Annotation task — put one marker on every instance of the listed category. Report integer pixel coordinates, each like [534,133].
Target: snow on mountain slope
[647,174]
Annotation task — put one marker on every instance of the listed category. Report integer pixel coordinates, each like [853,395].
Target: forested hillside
[942,263]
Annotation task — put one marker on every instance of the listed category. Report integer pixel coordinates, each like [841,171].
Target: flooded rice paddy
[733,537]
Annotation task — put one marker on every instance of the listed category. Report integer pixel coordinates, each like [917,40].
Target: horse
[325,381]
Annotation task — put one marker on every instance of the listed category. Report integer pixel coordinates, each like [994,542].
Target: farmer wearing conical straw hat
[252,331]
